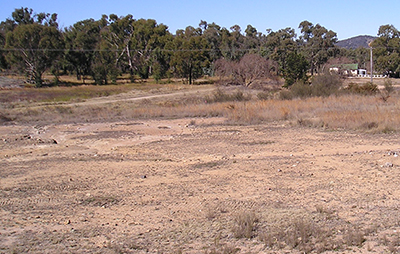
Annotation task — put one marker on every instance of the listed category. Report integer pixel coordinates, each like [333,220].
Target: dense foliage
[104,49]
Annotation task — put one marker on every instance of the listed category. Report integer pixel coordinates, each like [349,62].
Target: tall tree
[81,40]
[387,50]
[190,54]
[35,43]
[233,43]
[213,34]
[296,69]
[148,42]
[279,45]
[118,34]
[317,43]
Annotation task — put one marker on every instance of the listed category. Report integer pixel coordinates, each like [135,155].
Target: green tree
[296,69]
[104,68]
[21,17]
[138,45]
[232,43]
[3,62]
[148,41]
[387,50]
[252,39]
[81,40]
[279,45]
[34,47]
[318,44]
[213,33]
[118,34]
[190,54]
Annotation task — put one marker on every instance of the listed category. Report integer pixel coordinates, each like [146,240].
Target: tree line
[104,49]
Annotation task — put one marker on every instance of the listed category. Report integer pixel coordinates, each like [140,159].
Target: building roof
[345,66]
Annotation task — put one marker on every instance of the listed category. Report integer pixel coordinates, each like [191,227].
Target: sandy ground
[175,186]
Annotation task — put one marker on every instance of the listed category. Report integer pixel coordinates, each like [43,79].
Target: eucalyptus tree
[213,33]
[233,43]
[148,42]
[116,39]
[189,54]
[34,44]
[317,43]
[279,45]
[252,39]
[81,40]
[386,50]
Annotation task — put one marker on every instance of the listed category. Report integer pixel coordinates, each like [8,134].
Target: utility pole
[372,65]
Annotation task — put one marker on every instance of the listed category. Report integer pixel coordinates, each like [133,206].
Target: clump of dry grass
[244,224]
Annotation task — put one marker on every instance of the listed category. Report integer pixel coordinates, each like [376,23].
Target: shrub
[245,224]
[364,89]
[301,90]
[221,96]
[264,95]
[325,84]
[387,90]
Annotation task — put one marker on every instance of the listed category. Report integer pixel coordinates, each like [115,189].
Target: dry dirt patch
[190,185]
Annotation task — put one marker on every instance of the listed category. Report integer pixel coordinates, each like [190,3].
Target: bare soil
[178,186]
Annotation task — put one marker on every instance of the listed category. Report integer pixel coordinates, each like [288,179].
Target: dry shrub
[367,88]
[322,85]
[387,90]
[308,232]
[251,68]
[354,236]
[350,111]
[228,249]
[300,233]
[244,224]
[326,84]
[221,96]
[392,242]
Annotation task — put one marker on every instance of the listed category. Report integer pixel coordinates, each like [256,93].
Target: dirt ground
[179,186]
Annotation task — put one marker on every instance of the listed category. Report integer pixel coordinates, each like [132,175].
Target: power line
[177,50]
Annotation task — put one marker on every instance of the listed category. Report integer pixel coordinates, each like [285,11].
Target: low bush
[363,89]
[322,85]
[325,84]
[221,96]
[244,224]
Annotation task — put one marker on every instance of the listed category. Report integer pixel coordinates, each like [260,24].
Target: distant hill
[356,42]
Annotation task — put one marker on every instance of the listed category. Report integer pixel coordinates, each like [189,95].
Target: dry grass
[354,112]
[244,224]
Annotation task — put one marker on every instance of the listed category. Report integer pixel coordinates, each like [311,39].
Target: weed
[387,90]
[264,95]
[354,236]
[221,96]
[244,224]
[261,142]
[100,201]
[211,164]
[227,249]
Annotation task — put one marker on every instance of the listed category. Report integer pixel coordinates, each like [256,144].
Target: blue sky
[347,18]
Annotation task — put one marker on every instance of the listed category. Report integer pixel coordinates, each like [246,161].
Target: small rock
[143,176]
[388,165]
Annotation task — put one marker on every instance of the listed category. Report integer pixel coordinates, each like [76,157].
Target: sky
[348,18]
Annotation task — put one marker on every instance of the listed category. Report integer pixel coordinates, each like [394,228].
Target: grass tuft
[244,224]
